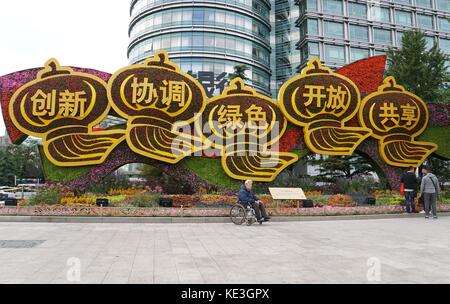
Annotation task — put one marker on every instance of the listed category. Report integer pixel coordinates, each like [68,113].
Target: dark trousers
[409,201]
[430,203]
[260,211]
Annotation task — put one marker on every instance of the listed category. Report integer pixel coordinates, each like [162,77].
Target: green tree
[422,71]
[21,161]
[8,168]
[441,168]
[239,72]
[348,167]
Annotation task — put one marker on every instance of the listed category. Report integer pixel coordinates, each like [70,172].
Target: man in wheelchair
[248,198]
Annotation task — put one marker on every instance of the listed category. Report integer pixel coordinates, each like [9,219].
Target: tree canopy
[421,70]
[21,162]
[239,72]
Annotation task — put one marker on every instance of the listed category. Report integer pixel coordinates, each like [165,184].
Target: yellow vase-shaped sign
[62,107]
[157,99]
[322,102]
[246,127]
[396,118]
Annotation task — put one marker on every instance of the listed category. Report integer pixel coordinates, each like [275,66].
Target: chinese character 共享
[390,114]
[409,114]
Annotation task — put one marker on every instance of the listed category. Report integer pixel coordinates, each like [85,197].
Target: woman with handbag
[429,191]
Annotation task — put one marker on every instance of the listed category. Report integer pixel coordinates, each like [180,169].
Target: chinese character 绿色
[256,116]
[230,117]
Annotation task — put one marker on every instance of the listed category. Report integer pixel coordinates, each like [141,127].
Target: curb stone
[195,220]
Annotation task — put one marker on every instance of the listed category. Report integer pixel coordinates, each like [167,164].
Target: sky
[82,33]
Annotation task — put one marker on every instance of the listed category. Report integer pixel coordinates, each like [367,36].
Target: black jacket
[410,181]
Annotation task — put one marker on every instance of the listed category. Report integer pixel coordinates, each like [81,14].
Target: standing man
[410,182]
[247,196]
[430,191]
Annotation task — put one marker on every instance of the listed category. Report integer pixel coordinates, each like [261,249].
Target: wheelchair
[243,213]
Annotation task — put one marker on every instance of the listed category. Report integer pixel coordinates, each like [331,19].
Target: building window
[197,40]
[399,39]
[303,29]
[444,24]
[186,41]
[334,53]
[165,42]
[176,42]
[304,53]
[312,5]
[425,21]
[198,16]
[358,32]
[358,54]
[443,5]
[177,16]
[382,36]
[430,41]
[381,14]
[187,15]
[313,48]
[334,29]
[444,44]
[403,18]
[403,1]
[333,7]
[357,10]
[424,3]
[313,27]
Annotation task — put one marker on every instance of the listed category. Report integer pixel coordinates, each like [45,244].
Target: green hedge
[211,170]
[55,174]
[441,137]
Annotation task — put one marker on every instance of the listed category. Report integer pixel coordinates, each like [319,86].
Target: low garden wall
[68,211]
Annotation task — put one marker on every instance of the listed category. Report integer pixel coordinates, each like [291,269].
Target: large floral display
[238,135]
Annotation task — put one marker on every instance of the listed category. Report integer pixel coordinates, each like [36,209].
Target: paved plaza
[362,251]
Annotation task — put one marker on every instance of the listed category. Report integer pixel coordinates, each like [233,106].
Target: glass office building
[206,38]
[342,31]
[275,38]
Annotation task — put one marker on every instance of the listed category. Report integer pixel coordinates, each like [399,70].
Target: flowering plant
[341,200]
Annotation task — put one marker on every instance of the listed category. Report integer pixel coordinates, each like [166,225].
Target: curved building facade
[207,38]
